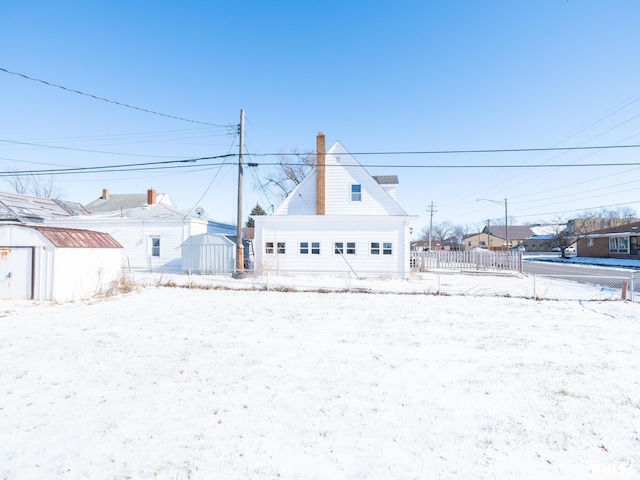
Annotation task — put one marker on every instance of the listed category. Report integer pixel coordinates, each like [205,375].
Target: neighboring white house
[45,263]
[338,220]
[151,236]
[119,202]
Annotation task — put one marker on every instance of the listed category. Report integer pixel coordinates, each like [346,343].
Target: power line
[57,147]
[115,168]
[443,166]
[455,152]
[107,100]
[163,164]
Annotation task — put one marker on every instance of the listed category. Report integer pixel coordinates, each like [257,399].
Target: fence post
[632,286]
[534,287]
[625,285]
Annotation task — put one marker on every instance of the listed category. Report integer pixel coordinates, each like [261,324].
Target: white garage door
[16,273]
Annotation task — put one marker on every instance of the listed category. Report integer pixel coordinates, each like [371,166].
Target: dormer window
[356,193]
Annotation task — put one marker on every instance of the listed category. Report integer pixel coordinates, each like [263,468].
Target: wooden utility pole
[431,211]
[240,251]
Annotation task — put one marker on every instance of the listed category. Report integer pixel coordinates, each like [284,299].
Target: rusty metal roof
[74,238]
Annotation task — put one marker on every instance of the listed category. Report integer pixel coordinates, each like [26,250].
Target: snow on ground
[177,383]
[626,263]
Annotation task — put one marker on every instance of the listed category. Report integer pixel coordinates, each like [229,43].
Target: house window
[351,248]
[387,248]
[482,243]
[340,250]
[356,193]
[315,248]
[375,248]
[155,246]
[268,248]
[589,242]
[619,245]
[281,248]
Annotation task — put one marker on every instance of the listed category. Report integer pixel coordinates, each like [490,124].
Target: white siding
[303,201]
[84,272]
[64,274]
[342,171]
[327,231]
[375,218]
[135,237]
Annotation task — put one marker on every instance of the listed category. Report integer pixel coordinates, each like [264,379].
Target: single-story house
[616,242]
[338,220]
[46,263]
[151,236]
[494,237]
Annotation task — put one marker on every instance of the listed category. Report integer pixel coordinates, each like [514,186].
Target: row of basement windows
[339,248]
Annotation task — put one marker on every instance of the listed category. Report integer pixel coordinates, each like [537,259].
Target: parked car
[518,248]
[568,252]
[479,250]
[556,249]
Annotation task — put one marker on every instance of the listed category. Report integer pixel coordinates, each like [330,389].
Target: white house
[338,220]
[44,263]
[151,236]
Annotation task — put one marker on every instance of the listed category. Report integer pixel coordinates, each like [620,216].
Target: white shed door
[15,273]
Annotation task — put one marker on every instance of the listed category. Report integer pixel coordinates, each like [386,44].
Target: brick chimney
[151,197]
[105,193]
[321,150]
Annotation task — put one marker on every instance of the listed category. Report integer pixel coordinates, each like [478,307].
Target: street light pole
[506,218]
[506,224]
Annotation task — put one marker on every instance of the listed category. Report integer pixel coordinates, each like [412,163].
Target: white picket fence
[465,261]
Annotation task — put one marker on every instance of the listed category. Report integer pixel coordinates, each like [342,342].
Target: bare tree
[43,187]
[444,232]
[19,183]
[292,168]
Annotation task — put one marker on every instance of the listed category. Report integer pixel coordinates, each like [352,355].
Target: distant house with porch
[615,242]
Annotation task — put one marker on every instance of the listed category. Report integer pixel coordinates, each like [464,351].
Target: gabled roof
[629,229]
[516,232]
[341,170]
[123,201]
[386,179]
[27,209]
[158,210]
[74,238]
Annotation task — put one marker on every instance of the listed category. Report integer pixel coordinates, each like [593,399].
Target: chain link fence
[486,284]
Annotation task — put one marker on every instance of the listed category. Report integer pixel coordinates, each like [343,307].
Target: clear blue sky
[413,76]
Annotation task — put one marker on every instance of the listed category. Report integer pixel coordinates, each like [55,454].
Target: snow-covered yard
[175,383]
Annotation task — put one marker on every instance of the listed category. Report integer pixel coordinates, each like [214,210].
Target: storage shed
[208,254]
[62,264]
